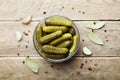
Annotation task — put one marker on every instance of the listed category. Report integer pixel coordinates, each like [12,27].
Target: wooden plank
[9,45]
[74,9]
[92,69]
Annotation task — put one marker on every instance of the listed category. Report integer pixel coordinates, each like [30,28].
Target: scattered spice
[79,11]
[90,69]
[28,56]
[83,40]
[63,7]
[72,8]
[85,61]
[105,30]
[23,62]
[92,30]
[95,64]
[26,46]
[94,23]
[19,45]
[83,12]
[81,66]
[107,40]
[78,73]
[18,54]
[46,72]
[44,12]
[52,66]
[25,33]
[29,31]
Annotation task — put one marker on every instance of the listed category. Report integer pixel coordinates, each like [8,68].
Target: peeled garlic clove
[18,36]
[27,20]
[86,51]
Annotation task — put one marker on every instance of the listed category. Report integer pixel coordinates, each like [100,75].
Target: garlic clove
[18,36]
[27,20]
[86,51]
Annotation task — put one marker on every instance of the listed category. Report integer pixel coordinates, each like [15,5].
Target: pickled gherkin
[75,42]
[65,44]
[72,31]
[54,50]
[52,56]
[39,32]
[58,21]
[65,36]
[49,29]
[49,37]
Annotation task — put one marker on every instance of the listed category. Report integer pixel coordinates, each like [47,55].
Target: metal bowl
[56,60]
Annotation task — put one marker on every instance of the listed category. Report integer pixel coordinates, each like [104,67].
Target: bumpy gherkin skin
[49,37]
[72,31]
[54,50]
[65,36]
[53,56]
[58,21]
[65,44]
[75,42]
[39,32]
[49,29]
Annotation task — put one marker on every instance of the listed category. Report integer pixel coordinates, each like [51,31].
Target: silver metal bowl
[56,60]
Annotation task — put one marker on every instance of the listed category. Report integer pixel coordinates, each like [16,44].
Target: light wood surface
[92,69]
[104,64]
[94,10]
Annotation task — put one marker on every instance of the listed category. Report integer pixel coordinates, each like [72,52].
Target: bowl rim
[35,43]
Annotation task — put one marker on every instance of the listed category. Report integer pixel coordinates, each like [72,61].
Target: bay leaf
[32,65]
[94,38]
[95,25]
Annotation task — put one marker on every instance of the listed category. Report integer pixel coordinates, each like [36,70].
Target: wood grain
[74,9]
[92,69]
[9,45]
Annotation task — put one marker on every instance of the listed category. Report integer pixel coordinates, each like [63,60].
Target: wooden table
[104,64]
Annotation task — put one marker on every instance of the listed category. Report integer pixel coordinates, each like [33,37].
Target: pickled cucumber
[58,21]
[72,31]
[49,37]
[65,44]
[66,36]
[75,42]
[39,33]
[51,56]
[49,29]
[54,50]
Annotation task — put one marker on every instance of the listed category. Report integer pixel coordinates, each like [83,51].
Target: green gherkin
[65,44]
[64,37]
[54,50]
[49,29]
[58,21]
[51,56]
[74,45]
[49,37]
[72,31]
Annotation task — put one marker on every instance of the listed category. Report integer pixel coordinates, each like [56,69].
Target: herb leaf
[95,25]
[32,65]
[94,38]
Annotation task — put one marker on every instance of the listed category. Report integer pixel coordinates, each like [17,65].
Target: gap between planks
[36,57]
